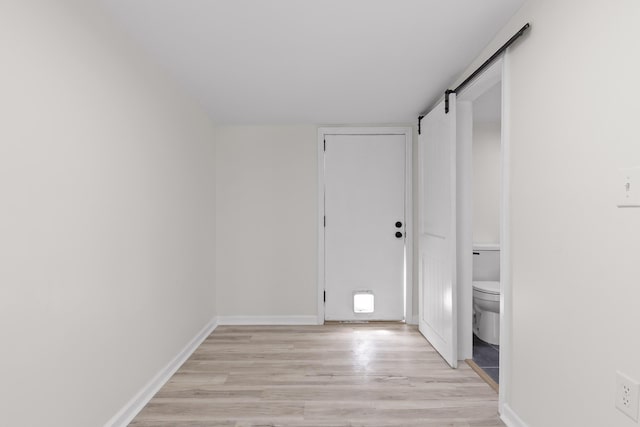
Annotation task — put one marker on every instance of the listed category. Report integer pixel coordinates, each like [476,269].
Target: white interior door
[437,230]
[365,226]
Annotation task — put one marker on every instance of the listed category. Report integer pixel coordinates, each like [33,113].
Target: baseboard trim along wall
[510,418]
[267,320]
[137,402]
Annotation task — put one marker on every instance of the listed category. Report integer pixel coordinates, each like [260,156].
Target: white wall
[486,183]
[575,270]
[266,222]
[106,217]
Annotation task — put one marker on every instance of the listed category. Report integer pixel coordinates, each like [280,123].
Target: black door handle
[398,234]
[398,224]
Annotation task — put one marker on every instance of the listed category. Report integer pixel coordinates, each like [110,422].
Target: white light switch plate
[629,187]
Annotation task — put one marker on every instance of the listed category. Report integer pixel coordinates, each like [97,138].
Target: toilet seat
[488,287]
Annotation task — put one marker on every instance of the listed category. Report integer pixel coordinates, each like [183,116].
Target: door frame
[498,72]
[408,209]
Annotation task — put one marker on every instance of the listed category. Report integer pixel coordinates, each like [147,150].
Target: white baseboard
[412,320]
[267,320]
[510,418]
[137,402]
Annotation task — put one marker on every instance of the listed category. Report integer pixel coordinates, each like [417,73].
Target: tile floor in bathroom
[486,356]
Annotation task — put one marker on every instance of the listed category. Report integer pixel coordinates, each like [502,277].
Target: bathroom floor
[487,357]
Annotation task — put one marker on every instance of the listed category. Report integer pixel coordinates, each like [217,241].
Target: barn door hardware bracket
[446,99]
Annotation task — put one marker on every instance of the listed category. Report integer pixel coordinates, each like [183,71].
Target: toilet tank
[486,264]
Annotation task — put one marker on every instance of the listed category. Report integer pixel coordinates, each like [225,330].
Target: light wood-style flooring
[376,374]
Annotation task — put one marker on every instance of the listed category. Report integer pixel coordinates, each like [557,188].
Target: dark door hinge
[325,296]
[324,221]
[325,145]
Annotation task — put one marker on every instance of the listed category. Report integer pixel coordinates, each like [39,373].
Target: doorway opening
[483,257]
[486,147]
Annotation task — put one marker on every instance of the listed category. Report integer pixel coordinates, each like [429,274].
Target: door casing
[498,72]
[407,132]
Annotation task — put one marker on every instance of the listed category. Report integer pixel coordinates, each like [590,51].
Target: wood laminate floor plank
[336,375]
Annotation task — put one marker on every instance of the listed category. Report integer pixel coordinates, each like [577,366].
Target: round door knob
[398,234]
[398,224]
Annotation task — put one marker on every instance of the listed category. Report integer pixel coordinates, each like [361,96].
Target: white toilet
[486,294]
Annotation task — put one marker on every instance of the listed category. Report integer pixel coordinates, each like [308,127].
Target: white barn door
[437,230]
